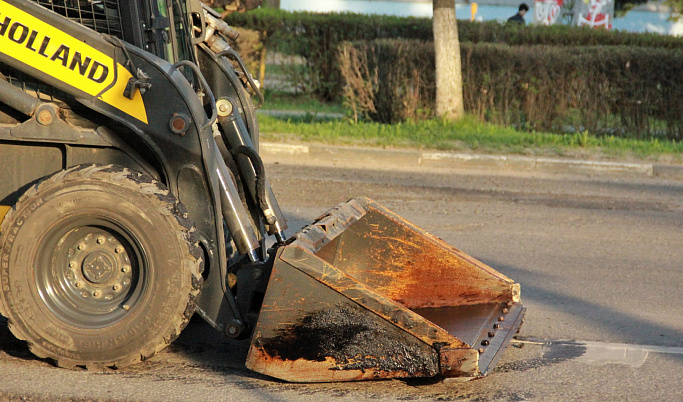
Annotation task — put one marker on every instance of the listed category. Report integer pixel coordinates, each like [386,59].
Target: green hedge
[560,35]
[546,78]
[316,36]
[299,32]
[609,90]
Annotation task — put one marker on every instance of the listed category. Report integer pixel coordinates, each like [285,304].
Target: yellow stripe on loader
[4,209]
[38,44]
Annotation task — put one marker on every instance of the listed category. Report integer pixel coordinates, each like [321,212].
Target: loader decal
[38,44]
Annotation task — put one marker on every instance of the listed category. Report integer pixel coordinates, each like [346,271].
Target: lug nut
[97,293]
[72,264]
[118,249]
[126,307]
[116,287]
[125,269]
[100,240]
[108,297]
[81,246]
[79,284]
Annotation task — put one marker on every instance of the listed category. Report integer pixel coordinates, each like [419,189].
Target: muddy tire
[99,267]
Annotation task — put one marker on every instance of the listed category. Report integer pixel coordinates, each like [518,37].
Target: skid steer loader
[130,179]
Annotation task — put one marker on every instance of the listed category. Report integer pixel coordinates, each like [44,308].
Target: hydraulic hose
[260,170]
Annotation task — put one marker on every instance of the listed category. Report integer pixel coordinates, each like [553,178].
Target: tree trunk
[449,99]
[271,4]
[262,60]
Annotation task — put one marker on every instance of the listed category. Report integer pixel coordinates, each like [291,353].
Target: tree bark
[271,4]
[449,98]
[262,60]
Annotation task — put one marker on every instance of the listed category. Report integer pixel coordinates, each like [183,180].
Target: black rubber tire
[75,237]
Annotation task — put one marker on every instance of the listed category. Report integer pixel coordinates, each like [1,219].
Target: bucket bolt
[485,342]
[234,329]
[257,274]
[45,117]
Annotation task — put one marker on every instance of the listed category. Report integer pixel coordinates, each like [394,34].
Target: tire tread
[170,206]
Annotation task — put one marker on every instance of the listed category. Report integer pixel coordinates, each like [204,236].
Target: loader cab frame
[162,27]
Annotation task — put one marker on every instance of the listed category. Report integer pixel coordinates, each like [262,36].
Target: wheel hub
[99,266]
[94,280]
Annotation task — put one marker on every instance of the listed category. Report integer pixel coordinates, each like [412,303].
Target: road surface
[600,261]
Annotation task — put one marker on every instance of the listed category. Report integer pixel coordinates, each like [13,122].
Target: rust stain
[412,267]
[302,370]
[368,297]
[459,363]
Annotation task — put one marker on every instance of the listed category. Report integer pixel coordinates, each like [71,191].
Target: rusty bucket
[363,294]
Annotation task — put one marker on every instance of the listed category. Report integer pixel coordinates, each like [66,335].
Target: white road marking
[600,353]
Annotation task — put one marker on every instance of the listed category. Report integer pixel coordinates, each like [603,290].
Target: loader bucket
[363,294]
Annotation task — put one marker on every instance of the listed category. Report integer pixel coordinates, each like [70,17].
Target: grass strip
[468,134]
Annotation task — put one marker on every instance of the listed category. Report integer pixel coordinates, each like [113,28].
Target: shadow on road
[13,346]
[626,327]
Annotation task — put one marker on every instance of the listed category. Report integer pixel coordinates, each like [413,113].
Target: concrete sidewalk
[351,156]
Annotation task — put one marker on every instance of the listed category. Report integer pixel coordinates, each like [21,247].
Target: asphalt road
[600,261]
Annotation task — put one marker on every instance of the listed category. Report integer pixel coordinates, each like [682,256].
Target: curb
[398,157]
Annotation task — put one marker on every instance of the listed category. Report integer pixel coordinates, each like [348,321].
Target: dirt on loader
[345,333]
